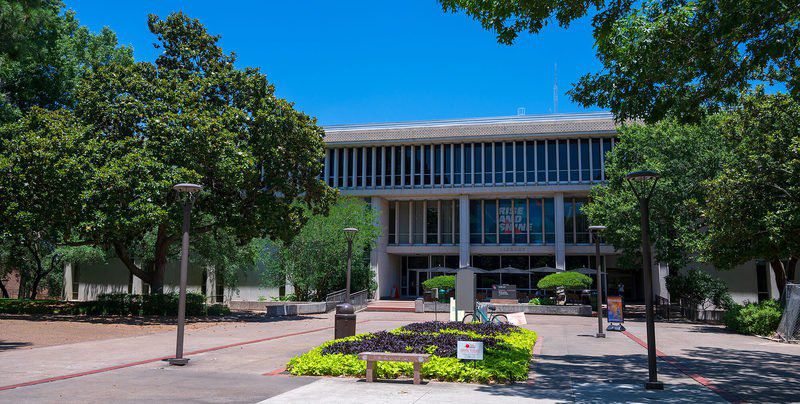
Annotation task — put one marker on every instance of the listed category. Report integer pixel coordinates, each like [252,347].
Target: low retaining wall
[275,309]
[573,310]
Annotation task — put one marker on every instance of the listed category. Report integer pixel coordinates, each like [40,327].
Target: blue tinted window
[536,223]
[498,163]
[475,222]
[505,221]
[457,164]
[552,161]
[478,163]
[490,222]
[467,164]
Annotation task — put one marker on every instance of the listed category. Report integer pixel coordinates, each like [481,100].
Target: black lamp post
[643,183]
[190,190]
[350,234]
[595,230]
[345,319]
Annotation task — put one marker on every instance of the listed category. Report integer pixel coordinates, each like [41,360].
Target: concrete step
[391,306]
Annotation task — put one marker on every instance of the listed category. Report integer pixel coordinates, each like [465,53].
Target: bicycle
[484,313]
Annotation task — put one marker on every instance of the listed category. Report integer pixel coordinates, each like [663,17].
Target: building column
[211,284]
[463,241]
[378,257]
[68,281]
[137,286]
[561,259]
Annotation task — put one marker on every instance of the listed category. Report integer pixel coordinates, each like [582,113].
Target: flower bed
[507,353]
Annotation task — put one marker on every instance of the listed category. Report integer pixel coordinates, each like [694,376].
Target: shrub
[754,318]
[446,282]
[699,289]
[507,353]
[118,304]
[567,280]
[218,310]
[542,301]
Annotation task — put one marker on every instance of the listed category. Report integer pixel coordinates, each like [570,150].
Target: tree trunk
[780,275]
[35,286]
[4,290]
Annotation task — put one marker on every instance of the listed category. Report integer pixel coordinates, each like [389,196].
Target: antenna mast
[555,88]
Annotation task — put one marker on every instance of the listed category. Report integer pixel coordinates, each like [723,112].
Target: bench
[416,359]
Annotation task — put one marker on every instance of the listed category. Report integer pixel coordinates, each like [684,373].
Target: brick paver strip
[730,397]
[142,362]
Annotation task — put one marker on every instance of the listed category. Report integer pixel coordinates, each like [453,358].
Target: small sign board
[504,291]
[517,318]
[470,350]
[615,309]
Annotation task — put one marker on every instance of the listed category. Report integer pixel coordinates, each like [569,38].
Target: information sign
[517,318]
[470,350]
[615,309]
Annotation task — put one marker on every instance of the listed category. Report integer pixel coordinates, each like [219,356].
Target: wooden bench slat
[394,357]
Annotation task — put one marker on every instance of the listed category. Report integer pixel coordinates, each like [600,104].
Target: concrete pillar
[463,241]
[137,286]
[378,257]
[211,284]
[560,241]
[68,281]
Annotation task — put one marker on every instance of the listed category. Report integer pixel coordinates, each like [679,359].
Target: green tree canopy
[45,160]
[681,58]
[193,117]
[314,263]
[753,208]
[44,53]
[685,156]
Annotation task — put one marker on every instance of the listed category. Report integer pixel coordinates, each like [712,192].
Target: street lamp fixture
[595,231]
[345,319]
[643,183]
[190,190]
[349,234]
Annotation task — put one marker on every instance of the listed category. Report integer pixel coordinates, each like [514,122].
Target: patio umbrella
[512,270]
[445,270]
[546,270]
[585,271]
[476,270]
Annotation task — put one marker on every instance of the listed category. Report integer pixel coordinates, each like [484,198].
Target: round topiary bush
[446,282]
[566,280]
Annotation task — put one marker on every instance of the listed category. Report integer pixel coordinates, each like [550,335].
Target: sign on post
[470,350]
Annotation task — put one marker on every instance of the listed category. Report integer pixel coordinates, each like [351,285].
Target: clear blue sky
[373,61]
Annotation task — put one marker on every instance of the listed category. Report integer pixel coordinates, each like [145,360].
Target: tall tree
[680,57]
[754,204]
[193,117]
[46,161]
[315,261]
[43,54]
[686,156]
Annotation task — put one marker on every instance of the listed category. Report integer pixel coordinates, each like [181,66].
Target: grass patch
[507,353]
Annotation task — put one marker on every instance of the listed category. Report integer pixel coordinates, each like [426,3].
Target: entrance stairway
[391,305]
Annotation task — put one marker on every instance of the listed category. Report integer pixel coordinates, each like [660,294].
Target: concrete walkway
[237,362]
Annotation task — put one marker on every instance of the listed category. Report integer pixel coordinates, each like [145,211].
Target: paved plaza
[243,362]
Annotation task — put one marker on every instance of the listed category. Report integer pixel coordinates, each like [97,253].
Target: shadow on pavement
[243,317]
[9,345]
[756,376]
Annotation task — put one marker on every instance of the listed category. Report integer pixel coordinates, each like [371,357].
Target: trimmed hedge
[507,353]
[542,301]
[754,318]
[446,282]
[567,280]
[118,304]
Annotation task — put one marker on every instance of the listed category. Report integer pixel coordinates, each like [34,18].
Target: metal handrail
[359,299]
[334,298]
